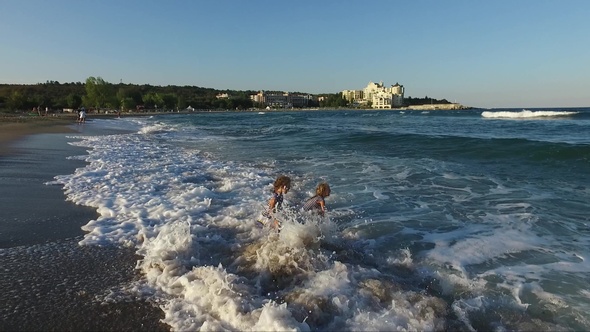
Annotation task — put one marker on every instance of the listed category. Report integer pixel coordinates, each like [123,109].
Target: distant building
[354,96]
[281,100]
[381,97]
[258,98]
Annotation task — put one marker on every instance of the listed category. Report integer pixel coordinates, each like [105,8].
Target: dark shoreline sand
[47,280]
[11,130]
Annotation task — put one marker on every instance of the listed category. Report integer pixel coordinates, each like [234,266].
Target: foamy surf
[411,241]
[525,114]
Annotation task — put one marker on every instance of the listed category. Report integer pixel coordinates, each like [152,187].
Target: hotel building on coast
[379,96]
[374,95]
[282,100]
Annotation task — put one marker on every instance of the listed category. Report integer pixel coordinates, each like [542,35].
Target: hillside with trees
[96,93]
[409,101]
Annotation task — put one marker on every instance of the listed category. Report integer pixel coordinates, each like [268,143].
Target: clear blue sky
[507,53]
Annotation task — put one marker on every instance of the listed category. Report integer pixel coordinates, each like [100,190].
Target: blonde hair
[322,189]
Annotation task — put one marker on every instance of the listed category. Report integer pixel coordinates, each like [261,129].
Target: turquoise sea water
[443,220]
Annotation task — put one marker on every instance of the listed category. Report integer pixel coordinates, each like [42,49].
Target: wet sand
[11,129]
[47,281]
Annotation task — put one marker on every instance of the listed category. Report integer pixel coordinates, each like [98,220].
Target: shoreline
[49,281]
[11,131]
[16,126]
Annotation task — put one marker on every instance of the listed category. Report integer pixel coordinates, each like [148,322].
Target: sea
[466,220]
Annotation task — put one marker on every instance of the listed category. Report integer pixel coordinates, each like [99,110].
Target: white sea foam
[191,219]
[190,214]
[524,114]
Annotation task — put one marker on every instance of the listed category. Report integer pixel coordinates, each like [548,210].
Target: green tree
[16,101]
[181,102]
[126,91]
[153,100]
[99,93]
[169,101]
[334,100]
[73,101]
[128,103]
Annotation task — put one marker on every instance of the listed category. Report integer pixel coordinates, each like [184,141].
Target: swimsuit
[278,201]
[313,203]
[266,215]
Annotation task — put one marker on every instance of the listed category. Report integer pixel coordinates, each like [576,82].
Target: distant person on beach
[281,186]
[317,203]
[82,116]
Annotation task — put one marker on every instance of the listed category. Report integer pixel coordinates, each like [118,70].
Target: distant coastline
[96,94]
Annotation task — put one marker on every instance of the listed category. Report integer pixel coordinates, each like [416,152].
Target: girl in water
[317,202]
[281,186]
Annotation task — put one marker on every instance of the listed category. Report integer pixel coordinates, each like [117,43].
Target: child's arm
[271,204]
[322,204]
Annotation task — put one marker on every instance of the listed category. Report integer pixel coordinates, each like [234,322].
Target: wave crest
[524,114]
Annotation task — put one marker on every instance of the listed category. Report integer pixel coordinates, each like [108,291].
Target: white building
[381,97]
[381,100]
[354,96]
[258,98]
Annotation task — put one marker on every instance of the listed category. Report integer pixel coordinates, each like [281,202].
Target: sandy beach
[12,128]
[48,281]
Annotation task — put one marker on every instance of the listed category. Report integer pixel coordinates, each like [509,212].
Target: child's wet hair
[322,189]
[281,181]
